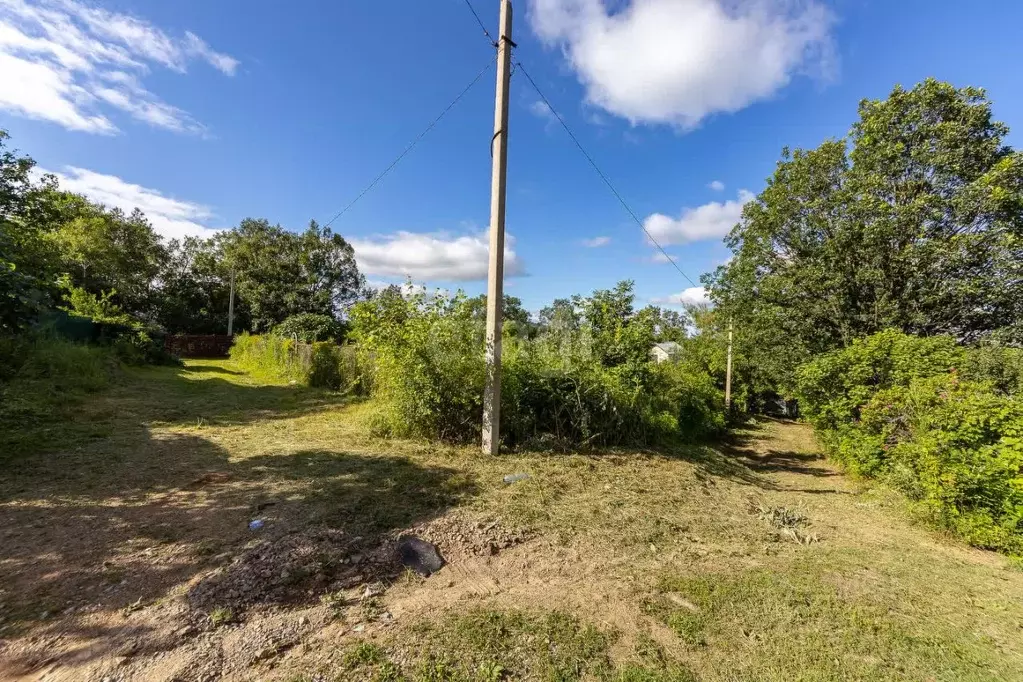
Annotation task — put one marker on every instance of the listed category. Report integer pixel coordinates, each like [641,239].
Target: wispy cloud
[171,218]
[716,185]
[679,61]
[541,109]
[596,242]
[432,256]
[70,63]
[709,221]
[691,296]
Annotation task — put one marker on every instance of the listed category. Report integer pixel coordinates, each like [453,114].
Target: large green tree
[281,273]
[913,222]
[24,272]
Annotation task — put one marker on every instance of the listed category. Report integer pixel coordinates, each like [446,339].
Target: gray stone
[419,555]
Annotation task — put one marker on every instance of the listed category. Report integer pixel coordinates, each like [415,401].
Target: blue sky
[203,113]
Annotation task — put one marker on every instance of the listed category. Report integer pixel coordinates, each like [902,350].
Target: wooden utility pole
[230,308]
[728,369]
[495,280]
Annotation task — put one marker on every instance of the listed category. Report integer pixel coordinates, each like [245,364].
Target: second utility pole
[728,370]
[495,280]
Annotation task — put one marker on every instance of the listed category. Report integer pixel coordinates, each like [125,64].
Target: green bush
[430,377]
[311,327]
[272,357]
[320,365]
[1000,365]
[41,376]
[833,387]
[897,408]
[133,341]
[956,448]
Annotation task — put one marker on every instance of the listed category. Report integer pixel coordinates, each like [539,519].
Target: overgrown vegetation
[586,379]
[912,222]
[41,379]
[319,365]
[937,421]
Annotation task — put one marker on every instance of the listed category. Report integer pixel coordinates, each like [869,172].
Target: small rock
[359,628]
[355,558]
[515,478]
[303,621]
[372,591]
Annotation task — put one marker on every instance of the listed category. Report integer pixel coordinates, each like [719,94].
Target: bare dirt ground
[126,554]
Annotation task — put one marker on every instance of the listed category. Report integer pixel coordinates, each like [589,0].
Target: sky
[204,113]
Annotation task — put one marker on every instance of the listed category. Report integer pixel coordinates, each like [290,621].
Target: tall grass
[320,365]
[41,377]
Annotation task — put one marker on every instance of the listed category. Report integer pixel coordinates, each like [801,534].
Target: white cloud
[596,242]
[660,257]
[710,221]
[691,296]
[541,109]
[63,61]
[716,185]
[679,61]
[171,218]
[437,256]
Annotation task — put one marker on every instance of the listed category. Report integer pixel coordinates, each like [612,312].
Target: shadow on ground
[104,523]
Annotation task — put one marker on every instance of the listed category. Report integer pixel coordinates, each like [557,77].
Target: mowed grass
[744,560]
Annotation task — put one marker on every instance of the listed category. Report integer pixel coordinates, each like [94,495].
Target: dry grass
[655,565]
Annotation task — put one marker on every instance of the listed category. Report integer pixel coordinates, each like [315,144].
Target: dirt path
[127,555]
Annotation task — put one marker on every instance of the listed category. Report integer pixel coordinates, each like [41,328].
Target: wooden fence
[199,345]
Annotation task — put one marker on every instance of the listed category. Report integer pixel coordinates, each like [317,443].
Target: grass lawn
[126,553]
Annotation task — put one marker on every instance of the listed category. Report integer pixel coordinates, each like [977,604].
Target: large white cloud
[171,218]
[678,61]
[68,62]
[432,256]
[691,296]
[711,221]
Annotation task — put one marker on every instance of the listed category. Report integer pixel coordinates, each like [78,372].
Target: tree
[105,250]
[913,222]
[195,290]
[281,273]
[26,272]
[620,335]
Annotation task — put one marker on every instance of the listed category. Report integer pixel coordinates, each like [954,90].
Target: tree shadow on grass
[211,369]
[98,552]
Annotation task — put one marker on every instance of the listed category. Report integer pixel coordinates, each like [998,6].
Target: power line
[600,172]
[479,21]
[414,142]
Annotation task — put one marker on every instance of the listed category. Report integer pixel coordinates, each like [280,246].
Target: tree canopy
[914,221]
[53,242]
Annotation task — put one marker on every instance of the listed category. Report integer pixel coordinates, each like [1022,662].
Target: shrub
[956,448]
[895,407]
[272,357]
[320,365]
[340,368]
[133,341]
[431,376]
[833,387]
[311,327]
[1000,365]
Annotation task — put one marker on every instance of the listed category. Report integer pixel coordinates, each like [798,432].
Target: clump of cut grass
[789,522]
[221,615]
